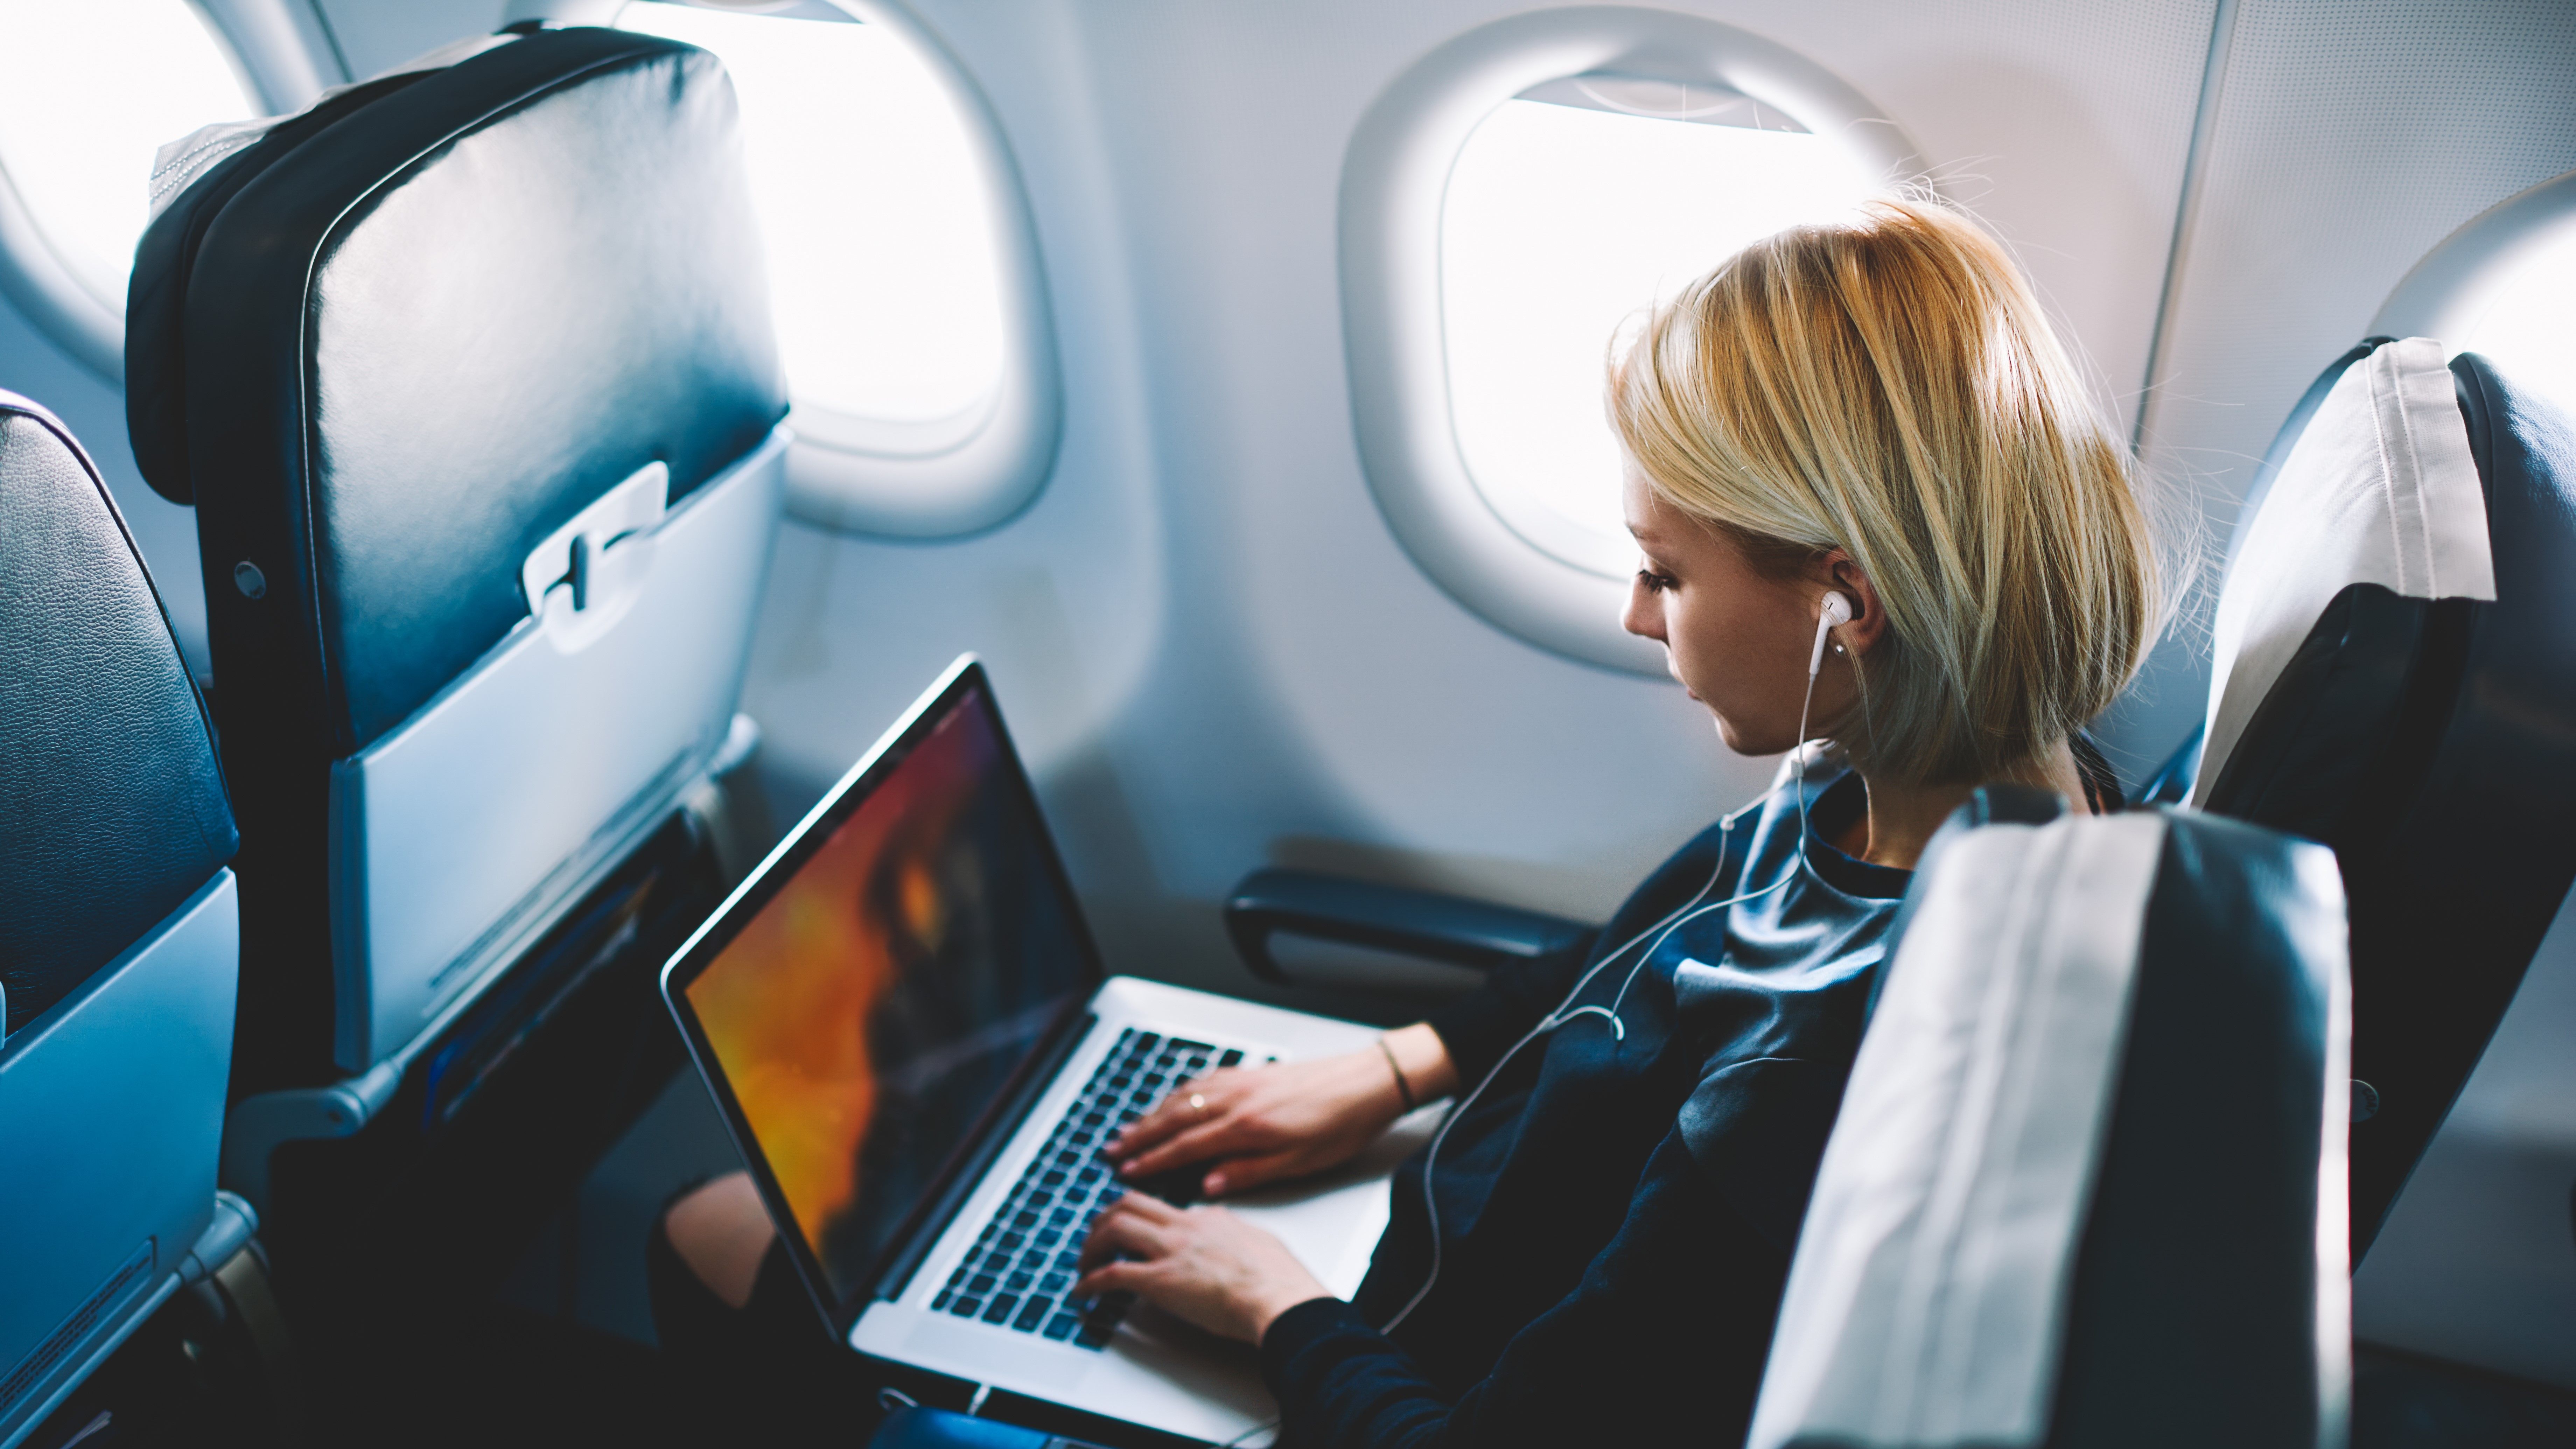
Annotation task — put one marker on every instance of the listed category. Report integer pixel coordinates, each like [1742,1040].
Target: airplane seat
[2086,1183]
[2396,660]
[469,374]
[119,937]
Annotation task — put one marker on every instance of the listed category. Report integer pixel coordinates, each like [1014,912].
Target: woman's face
[1737,640]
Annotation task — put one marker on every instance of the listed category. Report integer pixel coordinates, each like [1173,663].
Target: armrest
[1452,930]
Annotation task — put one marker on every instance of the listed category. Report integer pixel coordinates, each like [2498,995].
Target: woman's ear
[1840,572]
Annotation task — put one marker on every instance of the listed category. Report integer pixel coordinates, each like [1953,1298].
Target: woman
[1874,410]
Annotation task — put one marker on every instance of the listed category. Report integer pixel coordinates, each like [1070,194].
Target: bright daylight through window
[1570,210]
[880,227]
[2529,330]
[89,90]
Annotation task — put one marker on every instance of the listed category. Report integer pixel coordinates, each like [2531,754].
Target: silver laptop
[912,1039]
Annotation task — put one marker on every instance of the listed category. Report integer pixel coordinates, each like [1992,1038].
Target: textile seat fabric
[394,351]
[2419,721]
[2086,1185]
[118,934]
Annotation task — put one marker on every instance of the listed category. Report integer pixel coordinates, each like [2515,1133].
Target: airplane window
[1510,203]
[1570,210]
[880,229]
[88,93]
[2529,329]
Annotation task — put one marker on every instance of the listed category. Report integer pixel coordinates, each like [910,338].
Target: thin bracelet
[1403,1088]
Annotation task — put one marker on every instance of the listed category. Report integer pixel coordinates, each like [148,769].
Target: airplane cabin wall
[1311,696]
[2347,140]
[1214,651]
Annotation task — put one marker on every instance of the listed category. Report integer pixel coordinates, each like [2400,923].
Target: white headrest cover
[2380,489]
[1924,1305]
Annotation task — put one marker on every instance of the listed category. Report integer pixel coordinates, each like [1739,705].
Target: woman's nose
[1644,615]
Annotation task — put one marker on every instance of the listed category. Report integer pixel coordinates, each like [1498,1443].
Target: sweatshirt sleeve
[1662,1341]
[1480,1026]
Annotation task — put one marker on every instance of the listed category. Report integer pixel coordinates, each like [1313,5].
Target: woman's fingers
[1135,1224]
[1243,1174]
[1195,1145]
[1114,1236]
[1174,1114]
[1149,1129]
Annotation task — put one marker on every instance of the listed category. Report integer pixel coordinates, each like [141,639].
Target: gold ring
[1198,1104]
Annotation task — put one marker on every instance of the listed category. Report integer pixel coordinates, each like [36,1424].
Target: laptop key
[1055,1282]
[999,1310]
[967,1307]
[980,1284]
[1032,1313]
[1228,1057]
[940,1303]
[1019,1282]
[1061,1326]
[1068,1261]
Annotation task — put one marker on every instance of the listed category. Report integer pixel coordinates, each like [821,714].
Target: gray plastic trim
[269,51]
[979,467]
[1393,182]
[34,278]
[113,1099]
[462,836]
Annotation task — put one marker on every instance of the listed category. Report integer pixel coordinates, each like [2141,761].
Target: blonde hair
[1889,386]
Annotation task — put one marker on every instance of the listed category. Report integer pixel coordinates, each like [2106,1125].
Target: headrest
[2086,1184]
[2419,720]
[2379,488]
[115,810]
[394,344]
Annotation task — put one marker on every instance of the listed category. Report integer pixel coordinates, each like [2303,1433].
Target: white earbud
[1837,609]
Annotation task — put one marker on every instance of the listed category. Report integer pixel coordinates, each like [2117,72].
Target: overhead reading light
[1704,102]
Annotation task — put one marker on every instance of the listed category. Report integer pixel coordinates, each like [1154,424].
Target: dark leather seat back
[118,932]
[2423,723]
[115,809]
[2086,1186]
[470,376]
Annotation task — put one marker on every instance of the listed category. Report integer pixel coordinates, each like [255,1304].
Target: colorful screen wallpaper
[874,1008]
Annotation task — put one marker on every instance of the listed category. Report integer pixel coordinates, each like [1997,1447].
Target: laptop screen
[885,976]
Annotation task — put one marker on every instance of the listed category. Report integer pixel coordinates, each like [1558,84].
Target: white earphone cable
[1682,915]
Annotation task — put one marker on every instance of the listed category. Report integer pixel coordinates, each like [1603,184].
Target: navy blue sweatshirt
[1618,1208]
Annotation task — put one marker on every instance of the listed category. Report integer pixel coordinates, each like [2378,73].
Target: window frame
[2456,283]
[973,470]
[1394,185]
[271,58]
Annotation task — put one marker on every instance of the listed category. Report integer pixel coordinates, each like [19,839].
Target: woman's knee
[721,1231]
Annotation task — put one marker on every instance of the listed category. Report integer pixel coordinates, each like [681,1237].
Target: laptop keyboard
[1021,1268]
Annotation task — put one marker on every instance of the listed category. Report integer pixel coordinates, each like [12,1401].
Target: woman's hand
[1203,1264]
[1264,1124]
